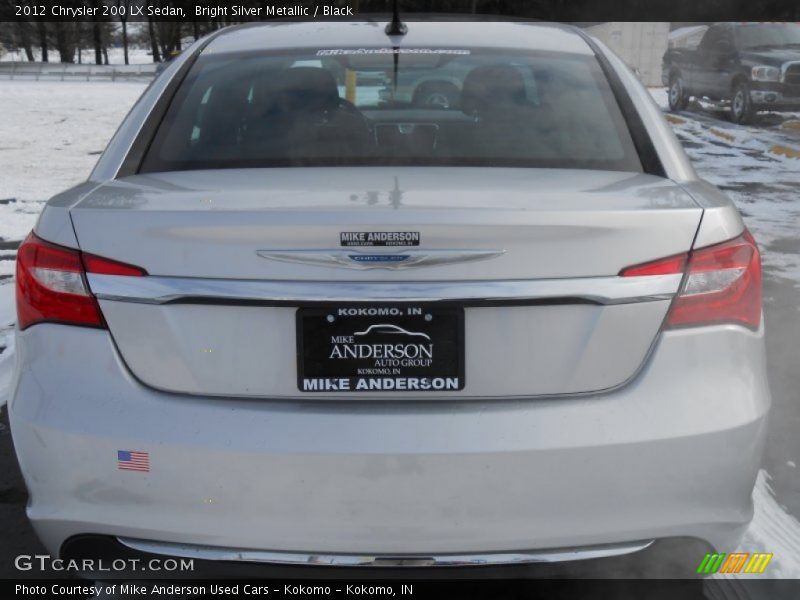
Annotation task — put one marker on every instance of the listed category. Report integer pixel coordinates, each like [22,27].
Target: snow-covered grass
[51,134]
[136,56]
[116,56]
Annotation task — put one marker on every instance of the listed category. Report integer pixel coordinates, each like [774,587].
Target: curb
[785,151]
[776,149]
[721,134]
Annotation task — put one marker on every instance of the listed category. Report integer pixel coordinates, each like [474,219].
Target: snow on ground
[51,135]
[772,530]
[116,56]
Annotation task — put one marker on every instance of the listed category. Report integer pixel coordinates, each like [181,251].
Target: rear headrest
[491,86]
[307,88]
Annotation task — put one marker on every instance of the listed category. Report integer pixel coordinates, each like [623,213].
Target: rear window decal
[355,51]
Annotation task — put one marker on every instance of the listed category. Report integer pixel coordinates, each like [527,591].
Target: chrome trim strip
[596,290]
[367,560]
[363,259]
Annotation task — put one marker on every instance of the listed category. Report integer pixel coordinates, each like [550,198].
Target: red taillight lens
[51,286]
[722,284]
[662,266]
[104,266]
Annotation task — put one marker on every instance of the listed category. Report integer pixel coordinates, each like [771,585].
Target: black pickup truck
[753,66]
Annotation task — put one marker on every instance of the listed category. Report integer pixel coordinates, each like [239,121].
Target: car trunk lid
[531,257]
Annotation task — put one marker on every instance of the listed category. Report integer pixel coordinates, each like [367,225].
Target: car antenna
[396,27]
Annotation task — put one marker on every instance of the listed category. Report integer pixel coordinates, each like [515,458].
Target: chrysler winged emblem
[351,259]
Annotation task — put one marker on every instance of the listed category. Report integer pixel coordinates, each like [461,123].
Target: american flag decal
[130,460]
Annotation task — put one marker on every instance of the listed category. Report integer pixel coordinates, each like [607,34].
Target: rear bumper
[675,557]
[214,553]
[673,454]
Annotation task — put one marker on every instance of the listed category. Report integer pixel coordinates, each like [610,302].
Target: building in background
[640,45]
[687,36]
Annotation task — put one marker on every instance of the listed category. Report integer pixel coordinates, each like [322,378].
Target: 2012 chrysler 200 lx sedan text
[292,318]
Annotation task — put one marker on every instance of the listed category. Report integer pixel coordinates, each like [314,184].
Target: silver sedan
[294,316]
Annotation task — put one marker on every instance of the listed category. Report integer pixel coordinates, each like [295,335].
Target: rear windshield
[384,106]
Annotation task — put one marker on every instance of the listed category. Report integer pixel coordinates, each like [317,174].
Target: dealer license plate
[387,348]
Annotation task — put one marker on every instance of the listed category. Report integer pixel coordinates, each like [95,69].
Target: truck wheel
[742,110]
[678,100]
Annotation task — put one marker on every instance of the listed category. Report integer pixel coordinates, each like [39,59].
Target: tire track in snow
[772,530]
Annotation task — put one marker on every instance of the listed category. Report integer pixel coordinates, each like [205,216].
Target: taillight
[663,266]
[105,266]
[51,284]
[722,284]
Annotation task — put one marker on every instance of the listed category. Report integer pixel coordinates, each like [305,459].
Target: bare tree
[24,35]
[96,40]
[169,37]
[79,37]
[124,6]
[106,36]
[42,30]
[65,41]
[153,42]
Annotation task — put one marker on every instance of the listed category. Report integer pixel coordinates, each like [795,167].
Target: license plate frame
[380,348]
